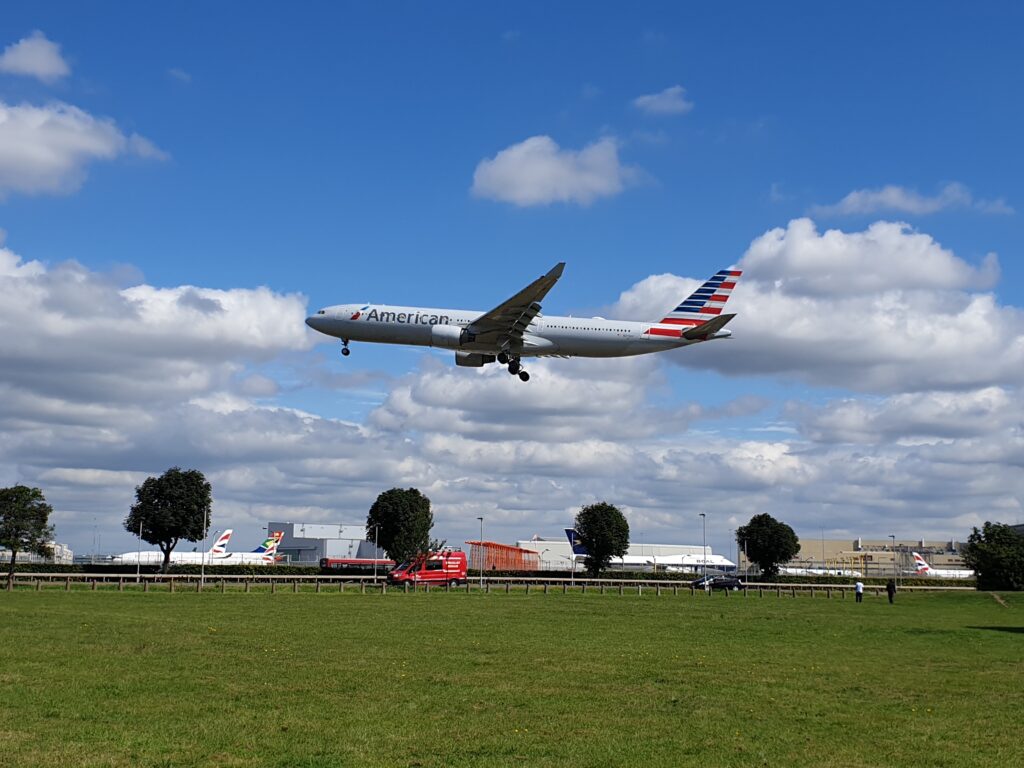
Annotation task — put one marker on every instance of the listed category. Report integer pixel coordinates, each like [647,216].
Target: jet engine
[473,359]
[449,336]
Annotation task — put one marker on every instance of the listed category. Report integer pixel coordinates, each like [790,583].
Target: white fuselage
[156,557]
[546,335]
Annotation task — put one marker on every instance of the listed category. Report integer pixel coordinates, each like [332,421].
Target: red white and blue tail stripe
[220,546]
[922,567]
[699,307]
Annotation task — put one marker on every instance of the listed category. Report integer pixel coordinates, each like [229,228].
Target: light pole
[893,537]
[138,559]
[704,551]
[376,552]
[202,561]
[481,552]
[542,557]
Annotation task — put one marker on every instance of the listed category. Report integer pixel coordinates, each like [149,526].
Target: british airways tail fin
[574,542]
[220,546]
[922,567]
[706,303]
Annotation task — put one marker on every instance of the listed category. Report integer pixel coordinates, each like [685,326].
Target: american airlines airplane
[215,556]
[516,328]
[921,568]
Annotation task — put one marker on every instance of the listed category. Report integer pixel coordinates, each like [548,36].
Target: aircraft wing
[511,318]
[708,328]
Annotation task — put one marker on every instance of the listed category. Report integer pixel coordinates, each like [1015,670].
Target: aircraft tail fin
[704,305]
[269,546]
[574,542]
[922,567]
[220,546]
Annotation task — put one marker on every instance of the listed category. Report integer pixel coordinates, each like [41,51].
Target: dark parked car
[731,583]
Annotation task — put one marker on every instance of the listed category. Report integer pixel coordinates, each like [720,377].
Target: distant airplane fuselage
[516,329]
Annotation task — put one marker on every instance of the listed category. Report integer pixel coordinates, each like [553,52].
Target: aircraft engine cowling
[473,359]
[449,336]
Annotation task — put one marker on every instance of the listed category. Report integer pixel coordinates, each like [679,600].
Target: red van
[445,567]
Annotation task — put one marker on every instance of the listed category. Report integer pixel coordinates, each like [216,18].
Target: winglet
[556,271]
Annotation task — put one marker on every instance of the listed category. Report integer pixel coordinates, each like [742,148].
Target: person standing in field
[858,588]
[890,590]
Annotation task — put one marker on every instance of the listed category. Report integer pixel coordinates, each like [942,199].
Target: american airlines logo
[407,318]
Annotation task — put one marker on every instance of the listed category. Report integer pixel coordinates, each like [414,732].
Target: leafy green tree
[996,553]
[403,521]
[602,529]
[768,542]
[24,523]
[175,506]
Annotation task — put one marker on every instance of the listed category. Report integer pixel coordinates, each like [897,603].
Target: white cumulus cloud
[671,101]
[35,56]
[538,172]
[45,150]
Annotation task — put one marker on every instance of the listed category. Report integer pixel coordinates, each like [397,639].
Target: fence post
[794,591]
[273,587]
[812,592]
[842,593]
[657,591]
[691,591]
[828,593]
[583,589]
[295,586]
[565,587]
[487,588]
[778,591]
[383,587]
[620,589]
[508,587]
[362,587]
[546,587]
[675,590]
[527,587]
[120,584]
[602,589]
[318,586]
[247,586]
[406,587]
[39,585]
[639,590]
[223,586]
[199,586]
[170,585]
[145,586]
[341,586]
[426,587]
[67,585]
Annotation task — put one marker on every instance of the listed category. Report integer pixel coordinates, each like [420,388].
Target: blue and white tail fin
[703,307]
[574,542]
[220,546]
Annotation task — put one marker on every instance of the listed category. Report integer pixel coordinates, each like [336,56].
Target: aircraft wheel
[503,358]
[524,376]
[345,351]
[513,367]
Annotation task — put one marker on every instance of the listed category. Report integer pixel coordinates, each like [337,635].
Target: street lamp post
[481,552]
[704,551]
[202,566]
[138,557]
[376,553]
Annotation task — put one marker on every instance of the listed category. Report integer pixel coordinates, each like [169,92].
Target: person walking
[858,588]
[890,590]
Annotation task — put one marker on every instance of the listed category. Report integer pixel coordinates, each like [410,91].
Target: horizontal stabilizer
[704,330]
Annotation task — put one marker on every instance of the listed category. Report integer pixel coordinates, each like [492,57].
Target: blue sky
[330,150]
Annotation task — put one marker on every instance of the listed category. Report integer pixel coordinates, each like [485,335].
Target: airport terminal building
[307,543]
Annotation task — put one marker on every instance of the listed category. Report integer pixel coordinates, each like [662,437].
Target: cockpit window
[322,312]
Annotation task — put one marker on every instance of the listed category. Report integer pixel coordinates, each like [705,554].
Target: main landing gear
[345,351]
[514,365]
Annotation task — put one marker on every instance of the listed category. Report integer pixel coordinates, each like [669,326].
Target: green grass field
[112,679]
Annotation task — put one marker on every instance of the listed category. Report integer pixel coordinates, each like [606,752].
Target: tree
[996,553]
[24,523]
[603,531]
[768,542]
[403,521]
[169,508]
